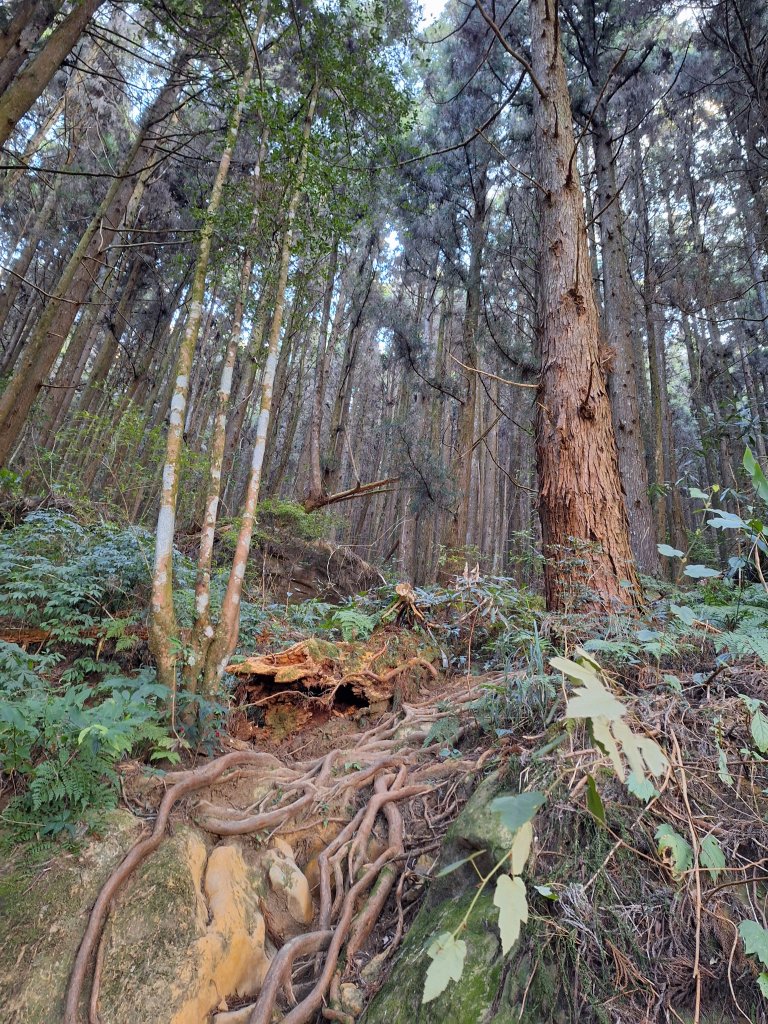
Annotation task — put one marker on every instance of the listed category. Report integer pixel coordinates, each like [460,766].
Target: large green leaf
[755,939]
[447,954]
[521,848]
[678,851]
[700,572]
[574,670]
[669,552]
[592,700]
[685,614]
[602,735]
[513,909]
[711,857]
[516,811]
[456,864]
[756,475]
[726,521]
[641,787]
[759,729]
[594,802]
[722,768]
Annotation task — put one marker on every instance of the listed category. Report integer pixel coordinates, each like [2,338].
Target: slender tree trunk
[581,505]
[94,318]
[32,80]
[315,488]
[23,262]
[755,409]
[12,178]
[455,538]
[202,630]
[76,281]
[699,402]
[227,630]
[163,629]
[335,447]
[623,354]
[250,366]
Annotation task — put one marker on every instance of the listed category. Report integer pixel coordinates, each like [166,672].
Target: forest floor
[349,777]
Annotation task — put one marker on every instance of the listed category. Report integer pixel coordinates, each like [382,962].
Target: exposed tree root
[195,779]
[369,786]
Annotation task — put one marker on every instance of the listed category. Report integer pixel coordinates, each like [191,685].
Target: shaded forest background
[406,207]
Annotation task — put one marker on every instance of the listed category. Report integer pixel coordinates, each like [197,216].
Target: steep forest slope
[383,511]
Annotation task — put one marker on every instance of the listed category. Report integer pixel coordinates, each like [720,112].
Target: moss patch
[467,1001]
[43,914]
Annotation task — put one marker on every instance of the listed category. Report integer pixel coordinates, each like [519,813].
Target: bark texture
[32,80]
[584,523]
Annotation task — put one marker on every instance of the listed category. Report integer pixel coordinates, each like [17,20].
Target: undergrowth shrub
[60,742]
[58,575]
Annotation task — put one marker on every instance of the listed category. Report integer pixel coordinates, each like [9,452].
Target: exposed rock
[43,914]
[289,903]
[491,987]
[464,1002]
[184,936]
[479,828]
[352,1000]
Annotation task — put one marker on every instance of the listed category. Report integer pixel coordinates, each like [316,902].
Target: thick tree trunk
[32,18]
[583,517]
[32,80]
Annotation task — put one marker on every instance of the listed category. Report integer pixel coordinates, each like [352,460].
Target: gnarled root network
[386,779]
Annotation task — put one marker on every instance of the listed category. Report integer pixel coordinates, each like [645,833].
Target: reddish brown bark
[581,505]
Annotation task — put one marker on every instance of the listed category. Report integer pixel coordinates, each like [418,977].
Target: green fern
[445,730]
[352,624]
[742,644]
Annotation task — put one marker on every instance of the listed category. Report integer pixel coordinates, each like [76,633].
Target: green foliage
[10,483]
[278,514]
[677,853]
[759,730]
[58,575]
[519,702]
[594,801]
[444,730]
[513,909]
[605,712]
[60,743]
[743,643]
[352,624]
[711,857]
[755,939]
[516,811]
[483,620]
[113,437]
[448,955]
[676,850]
